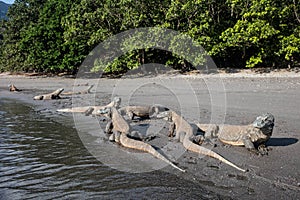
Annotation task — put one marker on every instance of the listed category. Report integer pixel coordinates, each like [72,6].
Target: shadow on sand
[281,141]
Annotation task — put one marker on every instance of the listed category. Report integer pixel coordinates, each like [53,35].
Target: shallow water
[40,158]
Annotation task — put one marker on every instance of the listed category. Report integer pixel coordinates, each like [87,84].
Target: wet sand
[229,98]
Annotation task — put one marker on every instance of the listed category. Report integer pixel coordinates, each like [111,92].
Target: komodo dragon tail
[115,102]
[135,144]
[75,109]
[189,145]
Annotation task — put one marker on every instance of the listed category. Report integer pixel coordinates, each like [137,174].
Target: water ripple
[41,159]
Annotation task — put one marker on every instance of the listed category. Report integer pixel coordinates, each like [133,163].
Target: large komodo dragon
[52,95]
[114,103]
[184,133]
[144,112]
[253,135]
[120,130]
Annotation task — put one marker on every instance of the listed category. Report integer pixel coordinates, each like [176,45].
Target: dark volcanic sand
[235,100]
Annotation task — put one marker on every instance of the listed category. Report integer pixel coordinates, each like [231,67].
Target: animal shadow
[281,141]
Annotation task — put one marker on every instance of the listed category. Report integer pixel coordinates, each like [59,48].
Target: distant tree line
[56,35]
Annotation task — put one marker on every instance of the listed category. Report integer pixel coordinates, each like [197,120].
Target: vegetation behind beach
[56,35]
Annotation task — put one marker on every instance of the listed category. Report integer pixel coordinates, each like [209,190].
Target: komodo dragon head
[107,112]
[117,102]
[265,123]
[11,88]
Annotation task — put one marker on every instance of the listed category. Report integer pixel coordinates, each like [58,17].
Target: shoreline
[246,97]
[223,73]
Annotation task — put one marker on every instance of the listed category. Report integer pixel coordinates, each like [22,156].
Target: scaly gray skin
[120,130]
[144,112]
[85,109]
[87,91]
[184,134]
[52,95]
[255,134]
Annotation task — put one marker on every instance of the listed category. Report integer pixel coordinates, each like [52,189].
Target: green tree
[21,14]
[289,39]
[57,35]
[257,37]
[91,22]
[43,40]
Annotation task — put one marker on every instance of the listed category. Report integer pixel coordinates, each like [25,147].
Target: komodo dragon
[184,134]
[52,95]
[254,134]
[13,88]
[144,112]
[86,91]
[115,102]
[120,130]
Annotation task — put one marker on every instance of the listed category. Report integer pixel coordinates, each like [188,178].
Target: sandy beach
[230,98]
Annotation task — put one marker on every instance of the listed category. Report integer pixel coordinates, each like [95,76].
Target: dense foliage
[56,35]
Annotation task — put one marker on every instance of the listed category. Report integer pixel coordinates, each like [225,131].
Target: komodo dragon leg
[261,149]
[171,132]
[198,139]
[139,136]
[115,137]
[89,111]
[133,134]
[248,144]
[130,115]
[210,133]
[109,127]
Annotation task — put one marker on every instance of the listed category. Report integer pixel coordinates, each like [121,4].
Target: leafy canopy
[56,35]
